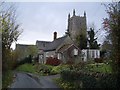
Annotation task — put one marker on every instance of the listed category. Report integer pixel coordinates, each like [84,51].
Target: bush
[53,61]
[70,62]
[25,60]
[65,74]
[89,80]
[64,85]
[7,79]
[99,67]
[98,60]
[108,81]
[57,69]
[43,69]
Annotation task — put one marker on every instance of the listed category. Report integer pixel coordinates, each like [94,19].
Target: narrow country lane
[24,80]
[47,82]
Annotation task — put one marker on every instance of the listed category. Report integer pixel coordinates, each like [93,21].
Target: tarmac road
[24,80]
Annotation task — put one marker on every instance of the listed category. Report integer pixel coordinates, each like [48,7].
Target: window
[59,56]
[47,54]
[75,52]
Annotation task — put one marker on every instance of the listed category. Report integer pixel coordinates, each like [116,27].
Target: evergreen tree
[92,40]
[81,41]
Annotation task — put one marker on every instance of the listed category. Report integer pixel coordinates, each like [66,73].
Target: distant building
[23,50]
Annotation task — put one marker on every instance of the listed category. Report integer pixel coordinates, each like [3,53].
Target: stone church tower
[77,25]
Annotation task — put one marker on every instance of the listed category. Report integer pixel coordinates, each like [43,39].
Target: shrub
[70,62]
[108,81]
[53,61]
[43,69]
[57,69]
[7,79]
[89,80]
[99,67]
[65,74]
[98,60]
[64,85]
[25,60]
[80,65]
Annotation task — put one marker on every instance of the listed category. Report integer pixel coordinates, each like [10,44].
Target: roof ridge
[60,37]
[43,41]
[26,44]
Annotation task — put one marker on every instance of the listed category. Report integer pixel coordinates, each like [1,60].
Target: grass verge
[27,68]
[99,67]
[7,79]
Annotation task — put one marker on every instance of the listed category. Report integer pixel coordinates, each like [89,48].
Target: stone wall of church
[77,25]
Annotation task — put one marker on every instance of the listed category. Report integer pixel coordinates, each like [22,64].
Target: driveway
[24,80]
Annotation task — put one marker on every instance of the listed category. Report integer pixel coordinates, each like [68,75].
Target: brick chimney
[55,35]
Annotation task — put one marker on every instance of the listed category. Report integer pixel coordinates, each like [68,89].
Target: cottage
[56,48]
[68,52]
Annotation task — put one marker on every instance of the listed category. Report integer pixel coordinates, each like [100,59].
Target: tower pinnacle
[74,12]
[69,16]
[84,14]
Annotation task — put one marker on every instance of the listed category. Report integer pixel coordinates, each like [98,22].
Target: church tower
[77,25]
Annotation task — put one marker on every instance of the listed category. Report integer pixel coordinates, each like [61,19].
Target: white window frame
[75,51]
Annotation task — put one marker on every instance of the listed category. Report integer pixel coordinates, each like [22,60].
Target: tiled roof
[61,49]
[67,46]
[42,44]
[54,44]
[23,46]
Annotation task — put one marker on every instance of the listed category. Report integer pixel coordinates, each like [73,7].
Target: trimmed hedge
[89,79]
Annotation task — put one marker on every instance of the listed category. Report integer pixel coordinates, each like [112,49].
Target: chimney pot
[55,35]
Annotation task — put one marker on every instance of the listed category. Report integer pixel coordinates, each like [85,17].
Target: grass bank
[64,84]
[7,79]
[27,68]
[99,67]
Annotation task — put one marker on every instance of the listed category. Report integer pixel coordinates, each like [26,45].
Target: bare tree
[10,31]
[112,25]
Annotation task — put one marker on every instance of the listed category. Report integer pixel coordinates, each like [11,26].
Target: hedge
[90,79]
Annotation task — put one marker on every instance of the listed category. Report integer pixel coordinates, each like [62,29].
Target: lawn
[99,67]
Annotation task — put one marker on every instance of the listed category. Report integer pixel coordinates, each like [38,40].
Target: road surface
[24,80]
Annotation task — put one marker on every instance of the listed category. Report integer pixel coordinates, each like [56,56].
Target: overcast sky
[39,20]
